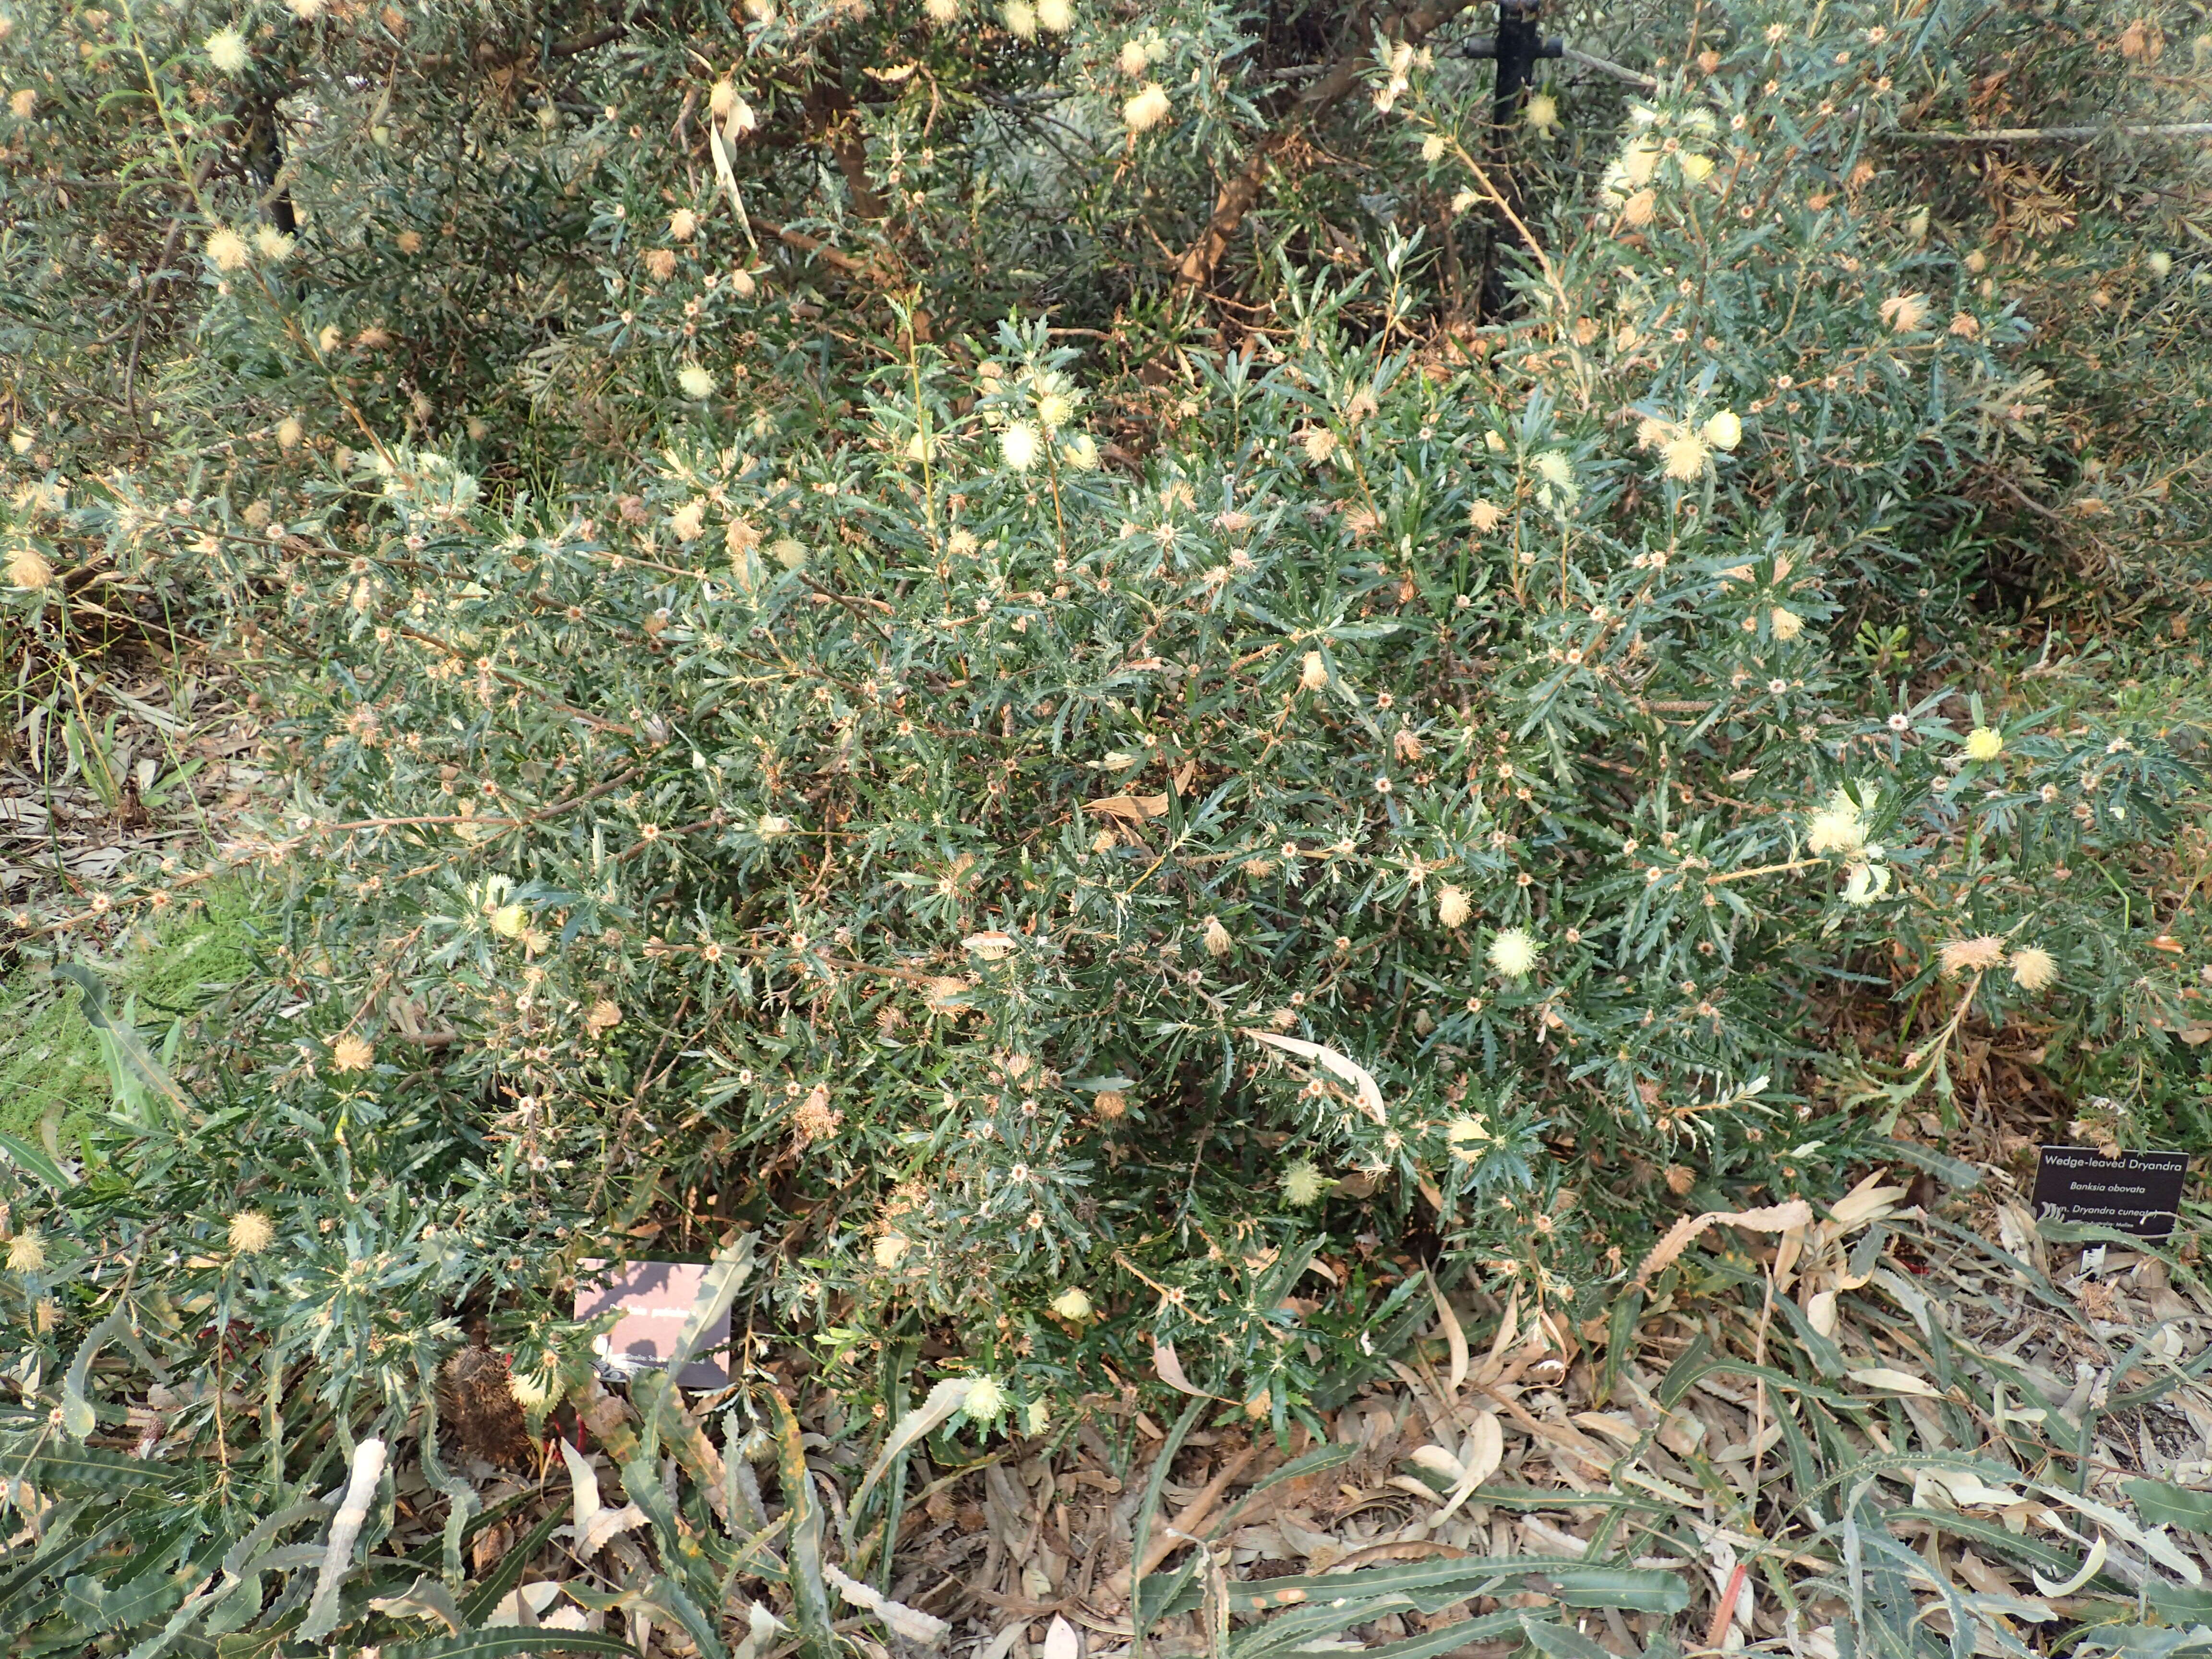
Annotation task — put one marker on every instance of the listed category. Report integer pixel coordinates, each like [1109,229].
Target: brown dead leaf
[1775,1218]
[1169,1368]
[1128,809]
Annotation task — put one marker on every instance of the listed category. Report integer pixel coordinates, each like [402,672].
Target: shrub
[862,710]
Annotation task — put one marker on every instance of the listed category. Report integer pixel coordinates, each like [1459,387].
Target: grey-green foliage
[882,728]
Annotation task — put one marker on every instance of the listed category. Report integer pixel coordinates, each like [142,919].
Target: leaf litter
[1867,1428]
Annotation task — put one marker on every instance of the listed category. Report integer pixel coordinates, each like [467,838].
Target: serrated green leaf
[1954,1173]
[810,1589]
[509,1639]
[2179,1604]
[2160,1504]
[66,1468]
[77,1415]
[1636,1588]
[1556,1640]
[1488,1627]
[1162,1595]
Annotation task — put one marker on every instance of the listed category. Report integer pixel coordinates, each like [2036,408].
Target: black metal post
[1515,47]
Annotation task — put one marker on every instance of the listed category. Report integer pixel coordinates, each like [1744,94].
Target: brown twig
[1243,191]
[538,817]
[866,270]
[1184,1526]
[853,604]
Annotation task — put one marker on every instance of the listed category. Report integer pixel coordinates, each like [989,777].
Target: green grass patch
[52,1078]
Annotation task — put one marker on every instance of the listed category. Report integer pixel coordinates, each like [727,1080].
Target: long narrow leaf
[509,1572]
[1140,1535]
[945,1399]
[509,1639]
[810,1588]
[36,1163]
[1665,1591]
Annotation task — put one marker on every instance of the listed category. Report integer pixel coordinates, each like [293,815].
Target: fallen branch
[1618,72]
[2037,134]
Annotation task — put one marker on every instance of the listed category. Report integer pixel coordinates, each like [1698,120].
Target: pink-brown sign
[654,1298]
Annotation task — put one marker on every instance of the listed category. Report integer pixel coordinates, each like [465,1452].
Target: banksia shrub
[1041,800]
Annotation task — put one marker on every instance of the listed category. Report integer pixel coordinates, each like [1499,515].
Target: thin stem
[1764,870]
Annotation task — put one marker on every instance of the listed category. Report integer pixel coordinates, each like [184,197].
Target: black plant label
[2137,1193]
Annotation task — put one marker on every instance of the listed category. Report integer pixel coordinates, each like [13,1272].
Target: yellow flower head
[1555,479]
[251,1233]
[1147,109]
[1513,953]
[226,249]
[26,1252]
[27,568]
[1984,744]
[1972,956]
[2033,967]
[226,50]
[1838,827]
[1020,445]
[350,1054]
[1452,908]
[1073,1304]
[1905,312]
[985,1401]
[1687,455]
[1303,1184]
